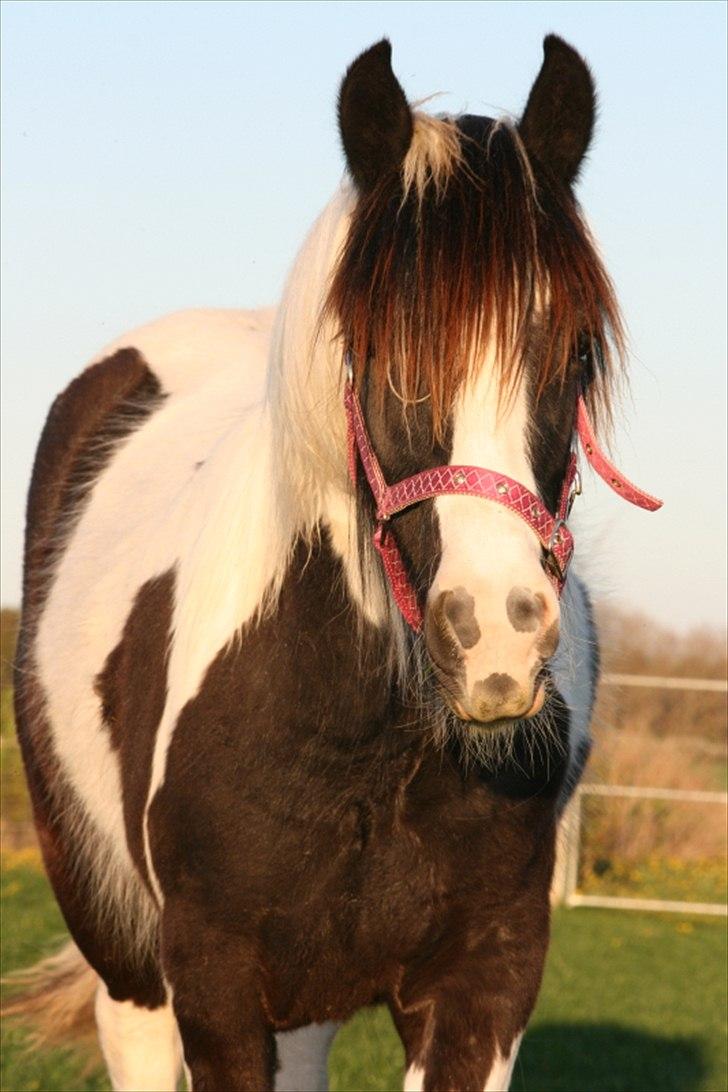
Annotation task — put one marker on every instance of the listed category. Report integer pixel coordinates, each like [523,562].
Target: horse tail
[54,998]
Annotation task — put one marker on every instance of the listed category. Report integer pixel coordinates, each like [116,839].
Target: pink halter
[474,481]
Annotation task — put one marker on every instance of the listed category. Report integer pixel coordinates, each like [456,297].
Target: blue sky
[166,155]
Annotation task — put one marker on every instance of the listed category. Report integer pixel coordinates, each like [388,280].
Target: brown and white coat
[263,803]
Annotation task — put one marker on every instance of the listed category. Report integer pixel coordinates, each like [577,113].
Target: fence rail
[567,878]
[668,906]
[662,682]
[696,796]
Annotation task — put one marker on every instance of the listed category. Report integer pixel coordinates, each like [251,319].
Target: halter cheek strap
[606,470]
[474,481]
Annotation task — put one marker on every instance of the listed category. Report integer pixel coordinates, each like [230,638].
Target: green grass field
[630,1003]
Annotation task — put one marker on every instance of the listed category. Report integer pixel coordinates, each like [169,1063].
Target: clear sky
[167,155]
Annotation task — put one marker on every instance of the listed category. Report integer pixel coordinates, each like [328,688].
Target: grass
[630,1003]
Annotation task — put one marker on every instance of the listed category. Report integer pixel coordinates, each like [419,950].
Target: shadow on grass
[554,1058]
[560,1057]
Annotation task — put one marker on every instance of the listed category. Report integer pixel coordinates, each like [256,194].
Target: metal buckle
[574,492]
[550,560]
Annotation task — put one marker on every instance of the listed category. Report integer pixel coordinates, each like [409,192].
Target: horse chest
[341,885]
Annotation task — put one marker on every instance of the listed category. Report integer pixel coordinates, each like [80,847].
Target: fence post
[572,838]
[558,881]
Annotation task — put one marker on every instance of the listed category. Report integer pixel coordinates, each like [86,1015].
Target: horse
[303,681]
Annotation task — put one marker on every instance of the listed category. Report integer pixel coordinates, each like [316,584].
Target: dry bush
[634,645]
[656,738]
[632,642]
[632,830]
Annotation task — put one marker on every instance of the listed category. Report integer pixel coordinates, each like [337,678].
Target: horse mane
[472,250]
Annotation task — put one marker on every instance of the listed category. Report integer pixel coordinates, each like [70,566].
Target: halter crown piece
[555,537]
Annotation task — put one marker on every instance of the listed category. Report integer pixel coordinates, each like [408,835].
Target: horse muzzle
[495,675]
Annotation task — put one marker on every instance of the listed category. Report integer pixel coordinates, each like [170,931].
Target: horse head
[475,312]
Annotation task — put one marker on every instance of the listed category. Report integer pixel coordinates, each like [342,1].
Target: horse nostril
[443,644]
[459,609]
[549,642]
[525,609]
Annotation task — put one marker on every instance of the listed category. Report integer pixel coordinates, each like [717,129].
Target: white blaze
[487,549]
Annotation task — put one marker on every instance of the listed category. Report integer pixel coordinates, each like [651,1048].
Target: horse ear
[374,116]
[558,121]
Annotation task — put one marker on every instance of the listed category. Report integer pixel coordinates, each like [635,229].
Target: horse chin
[491,727]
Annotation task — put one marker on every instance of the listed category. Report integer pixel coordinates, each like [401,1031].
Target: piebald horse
[303,682]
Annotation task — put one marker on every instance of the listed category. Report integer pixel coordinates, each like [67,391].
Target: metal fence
[566,879]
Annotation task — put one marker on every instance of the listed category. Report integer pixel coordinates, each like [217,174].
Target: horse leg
[228,1043]
[469,1035]
[414,1031]
[498,1079]
[465,1051]
[141,1046]
[303,1058]
[414,1034]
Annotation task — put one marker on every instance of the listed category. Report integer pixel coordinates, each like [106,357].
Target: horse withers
[303,682]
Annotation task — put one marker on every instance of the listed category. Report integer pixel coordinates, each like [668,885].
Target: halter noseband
[555,537]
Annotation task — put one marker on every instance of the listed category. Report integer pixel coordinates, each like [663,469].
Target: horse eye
[584,349]
[587,355]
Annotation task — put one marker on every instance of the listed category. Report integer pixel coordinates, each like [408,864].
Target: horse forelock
[459,257]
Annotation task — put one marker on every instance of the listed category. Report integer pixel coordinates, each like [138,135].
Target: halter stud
[555,537]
